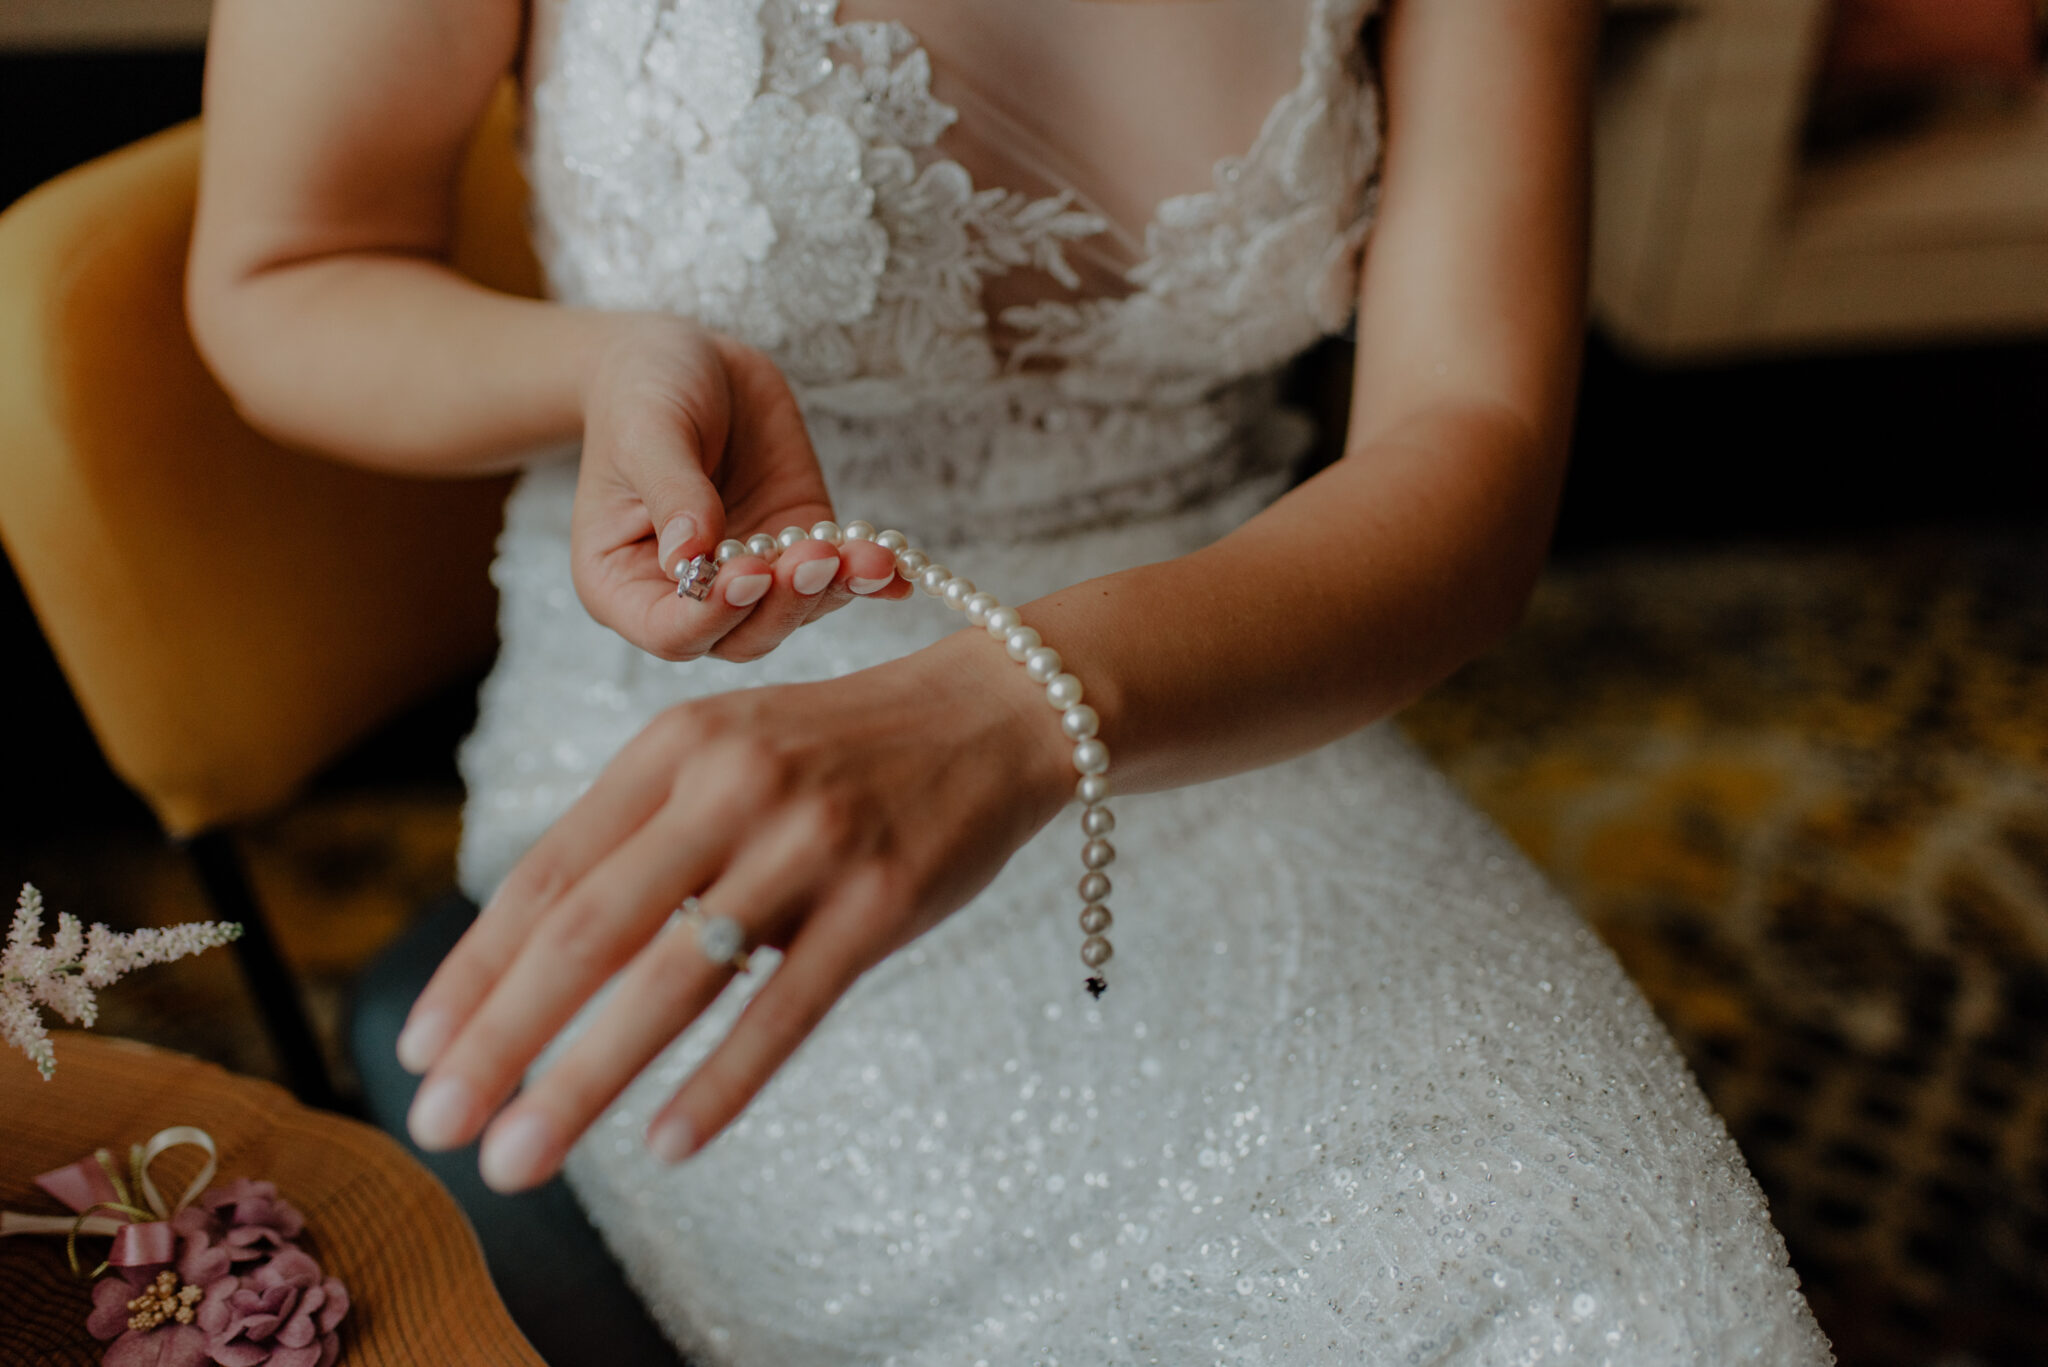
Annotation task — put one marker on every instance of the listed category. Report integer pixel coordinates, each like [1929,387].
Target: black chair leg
[226,882]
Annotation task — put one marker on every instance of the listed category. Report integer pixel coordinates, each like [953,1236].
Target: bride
[1014,276]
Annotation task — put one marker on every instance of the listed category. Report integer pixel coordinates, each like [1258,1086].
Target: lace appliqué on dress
[802,210]
[774,173]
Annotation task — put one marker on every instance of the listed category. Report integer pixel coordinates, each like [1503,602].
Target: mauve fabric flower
[254,1219]
[282,1313]
[267,1303]
[234,1224]
[109,1318]
[169,1345]
[200,1256]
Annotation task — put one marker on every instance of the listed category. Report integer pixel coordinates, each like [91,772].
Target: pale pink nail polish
[748,589]
[442,1113]
[680,528]
[672,1140]
[518,1152]
[867,586]
[423,1039]
[813,575]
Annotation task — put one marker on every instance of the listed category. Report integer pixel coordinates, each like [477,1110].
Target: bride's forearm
[1336,606]
[397,362]
[1418,549]
[319,288]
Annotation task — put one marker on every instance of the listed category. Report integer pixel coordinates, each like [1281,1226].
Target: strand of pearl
[1042,665]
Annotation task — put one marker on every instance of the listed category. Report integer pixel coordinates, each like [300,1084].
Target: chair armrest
[231,614]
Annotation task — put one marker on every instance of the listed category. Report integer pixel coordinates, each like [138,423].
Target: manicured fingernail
[867,586]
[423,1039]
[441,1113]
[680,528]
[813,575]
[519,1151]
[747,590]
[672,1140]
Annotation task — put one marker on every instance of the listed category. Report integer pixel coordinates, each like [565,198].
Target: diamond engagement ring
[720,937]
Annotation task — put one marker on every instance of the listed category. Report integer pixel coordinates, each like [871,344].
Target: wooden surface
[75,24]
[375,1218]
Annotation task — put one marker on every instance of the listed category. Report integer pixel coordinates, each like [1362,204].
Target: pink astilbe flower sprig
[64,974]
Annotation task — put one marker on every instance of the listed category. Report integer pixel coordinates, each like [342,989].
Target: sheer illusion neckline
[1149,243]
[776,169]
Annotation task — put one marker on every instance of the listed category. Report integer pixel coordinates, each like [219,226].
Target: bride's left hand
[835,821]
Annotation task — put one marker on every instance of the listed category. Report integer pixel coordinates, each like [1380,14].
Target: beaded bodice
[976,358]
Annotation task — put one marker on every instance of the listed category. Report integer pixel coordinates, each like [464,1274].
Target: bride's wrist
[1035,767]
[620,343]
[1024,734]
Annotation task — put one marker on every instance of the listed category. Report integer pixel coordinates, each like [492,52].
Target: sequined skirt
[1365,1090]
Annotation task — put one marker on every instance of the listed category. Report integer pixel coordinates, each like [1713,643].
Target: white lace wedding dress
[1363,1089]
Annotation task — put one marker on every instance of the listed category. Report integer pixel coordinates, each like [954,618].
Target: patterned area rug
[1805,798]
[1803,794]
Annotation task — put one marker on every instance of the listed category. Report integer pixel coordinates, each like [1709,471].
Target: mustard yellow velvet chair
[232,615]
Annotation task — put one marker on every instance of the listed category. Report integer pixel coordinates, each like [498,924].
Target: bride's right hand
[689,438]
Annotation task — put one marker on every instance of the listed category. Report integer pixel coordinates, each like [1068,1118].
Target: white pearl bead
[958,591]
[828,532]
[730,549]
[1093,789]
[910,562]
[1079,721]
[760,543]
[1002,621]
[892,541]
[1095,919]
[1091,756]
[934,578]
[1095,951]
[1097,821]
[1098,854]
[979,606]
[1063,692]
[1094,886]
[859,531]
[1021,643]
[791,536]
[1042,665]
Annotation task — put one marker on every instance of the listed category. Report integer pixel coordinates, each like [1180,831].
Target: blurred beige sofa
[1715,235]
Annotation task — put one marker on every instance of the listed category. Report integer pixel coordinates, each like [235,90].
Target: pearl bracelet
[1042,665]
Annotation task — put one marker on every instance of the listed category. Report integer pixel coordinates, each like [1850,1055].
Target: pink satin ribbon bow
[136,1214]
